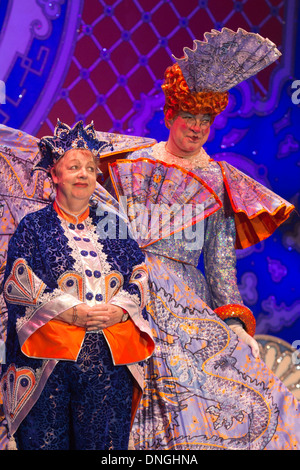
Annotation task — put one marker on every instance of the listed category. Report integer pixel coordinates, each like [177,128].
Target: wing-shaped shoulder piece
[258,210]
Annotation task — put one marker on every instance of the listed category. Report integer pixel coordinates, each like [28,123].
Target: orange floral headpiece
[180,98]
[199,81]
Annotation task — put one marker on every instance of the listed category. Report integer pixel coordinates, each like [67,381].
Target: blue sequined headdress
[66,138]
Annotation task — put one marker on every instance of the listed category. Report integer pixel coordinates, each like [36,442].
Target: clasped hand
[97,317]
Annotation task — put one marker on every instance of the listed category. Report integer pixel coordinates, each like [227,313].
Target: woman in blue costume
[75,294]
[205,387]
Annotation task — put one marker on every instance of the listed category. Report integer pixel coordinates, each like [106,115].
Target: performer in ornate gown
[76,335]
[23,192]
[205,387]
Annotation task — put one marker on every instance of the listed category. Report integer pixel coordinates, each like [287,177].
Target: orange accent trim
[173,165]
[261,226]
[127,343]
[238,311]
[55,340]
[12,277]
[30,196]
[68,217]
[254,229]
[79,279]
[23,398]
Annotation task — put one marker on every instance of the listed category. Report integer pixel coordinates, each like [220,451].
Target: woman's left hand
[102,316]
[245,337]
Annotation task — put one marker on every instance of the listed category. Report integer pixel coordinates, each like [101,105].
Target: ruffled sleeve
[257,210]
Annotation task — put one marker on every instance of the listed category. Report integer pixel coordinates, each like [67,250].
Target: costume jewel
[238,311]
[66,138]
[225,59]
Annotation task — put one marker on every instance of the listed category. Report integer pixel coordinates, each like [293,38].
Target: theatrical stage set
[123,320]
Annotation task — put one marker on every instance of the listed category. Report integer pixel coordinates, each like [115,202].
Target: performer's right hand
[77,315]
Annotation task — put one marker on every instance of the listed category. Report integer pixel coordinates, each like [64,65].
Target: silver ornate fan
[225,59]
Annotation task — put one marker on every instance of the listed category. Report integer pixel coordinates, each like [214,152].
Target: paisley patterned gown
[204,389]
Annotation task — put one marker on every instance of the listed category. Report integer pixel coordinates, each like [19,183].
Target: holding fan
[161,199]
[206,387]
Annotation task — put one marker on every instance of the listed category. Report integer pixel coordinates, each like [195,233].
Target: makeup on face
[188,133]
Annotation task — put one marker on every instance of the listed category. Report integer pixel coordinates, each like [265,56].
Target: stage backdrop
[104,61]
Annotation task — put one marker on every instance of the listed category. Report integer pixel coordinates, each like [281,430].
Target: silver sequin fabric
[209,268]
